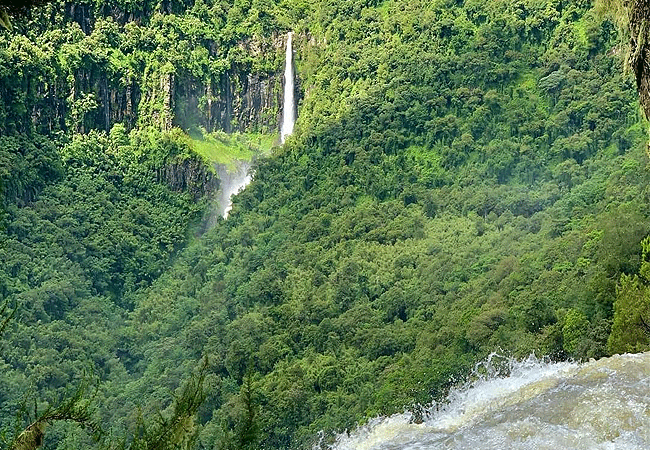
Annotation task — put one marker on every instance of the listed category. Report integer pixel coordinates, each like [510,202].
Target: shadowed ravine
[602,404]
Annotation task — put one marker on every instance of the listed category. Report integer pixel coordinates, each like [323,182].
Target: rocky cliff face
[189,175]
[238,101]
[89,67]
[97,92]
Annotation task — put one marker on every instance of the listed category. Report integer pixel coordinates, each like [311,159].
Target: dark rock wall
[237,100]
[189,175]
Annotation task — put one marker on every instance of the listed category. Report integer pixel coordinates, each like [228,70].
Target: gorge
[464,176]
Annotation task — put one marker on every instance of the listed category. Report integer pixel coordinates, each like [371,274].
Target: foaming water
[602,404]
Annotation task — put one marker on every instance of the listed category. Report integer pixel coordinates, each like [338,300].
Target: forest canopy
[464,177]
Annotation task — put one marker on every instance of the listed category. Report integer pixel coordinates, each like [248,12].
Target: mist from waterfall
[233,179]
[289,107]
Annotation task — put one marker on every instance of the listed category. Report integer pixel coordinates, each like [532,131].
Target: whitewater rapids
[602,404]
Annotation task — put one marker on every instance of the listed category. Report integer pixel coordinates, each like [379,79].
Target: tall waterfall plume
[289,107]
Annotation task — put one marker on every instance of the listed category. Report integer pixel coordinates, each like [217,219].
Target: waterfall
[540,405]
[233,180]
[289,108]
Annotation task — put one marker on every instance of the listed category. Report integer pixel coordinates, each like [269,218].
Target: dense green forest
[464,177]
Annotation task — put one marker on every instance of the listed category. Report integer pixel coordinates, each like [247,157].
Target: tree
[75,408]
[630,330]
[176,431]
[10,9]
[247,426]
[575,332]
[6,315]
[631,311]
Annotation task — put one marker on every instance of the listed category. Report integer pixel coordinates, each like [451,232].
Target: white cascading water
[233,180]
[236,178]
[289,107]
[598,405]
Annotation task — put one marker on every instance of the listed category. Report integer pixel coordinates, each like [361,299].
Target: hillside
[464,178]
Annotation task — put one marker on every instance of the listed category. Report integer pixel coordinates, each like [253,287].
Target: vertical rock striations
[232,86]
[238,101]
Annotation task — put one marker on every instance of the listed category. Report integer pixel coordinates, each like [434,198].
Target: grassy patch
[221,148]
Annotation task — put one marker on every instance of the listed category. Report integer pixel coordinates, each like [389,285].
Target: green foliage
[463,177]
[74,407]
[76,247]
[27,165]
[575,328]
[6,314]
[630,331]
[177,429]
[443,197]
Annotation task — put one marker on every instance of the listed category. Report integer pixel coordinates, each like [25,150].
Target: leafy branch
[75,408]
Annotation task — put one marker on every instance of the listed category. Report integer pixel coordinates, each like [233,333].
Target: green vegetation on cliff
[464,177]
